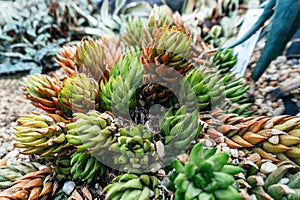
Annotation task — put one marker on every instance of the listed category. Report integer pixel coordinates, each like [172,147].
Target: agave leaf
[31,32]
[106,17]
[18,45]
[15,55]
[45,27]
[40,54]
[7,67]
[87,31]
[104,12]
[285,31]
[119,4]
[188,6]
[36,70]
[91,20]
[141,9]
[6,38]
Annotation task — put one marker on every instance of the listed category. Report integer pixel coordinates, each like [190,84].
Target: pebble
[278,111]
[253,197]
[284,181]
[165,182]
[281,59]
[283,78]
[268,167]
[234,153]
[272,77]
[293,61]
[68,187]
[274,105]
[274,83]
[267,89]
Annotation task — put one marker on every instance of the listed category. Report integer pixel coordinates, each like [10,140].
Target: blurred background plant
[31,32]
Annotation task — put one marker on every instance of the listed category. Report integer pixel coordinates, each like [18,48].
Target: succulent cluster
[131,109]
[206,175]
[275,138]
[11,173]
[42,134]
[225,59]
[34,185]
[132,186]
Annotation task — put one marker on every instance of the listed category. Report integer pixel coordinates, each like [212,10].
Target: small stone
[268,167]
[273,83]
[267,89]
[264,85]
[165,182]
[253,197]
[278,111]
[283,78]
[274,139]
[274,105]
[272,69]
[160,149]
[272,77]
[269,124]
[284,181]
[68,187]
[254,157]
[226,149]
[269,103]
[292,62]
[281,59]
[234,153]
[259,101]
[260,180]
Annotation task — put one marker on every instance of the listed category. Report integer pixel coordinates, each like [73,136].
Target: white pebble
[268,167]
[68,187]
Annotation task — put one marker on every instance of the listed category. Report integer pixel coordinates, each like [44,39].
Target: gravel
[12,106]
[278,71]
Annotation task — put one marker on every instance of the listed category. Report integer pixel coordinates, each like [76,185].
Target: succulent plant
[43,92]
[140,31]
[135,32]
[132,186]
[206,175]
[92,132]
[65,59]
[160,16]
[178,128]
[11,173]
[42,134]
[118,93]
[85,167]
[275,138]
[134,150]
[90,59]
[279,183]
[167,57]
[165,61]
[214,89]
[224,59]
[34,185]
[78,94]
[210,21]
